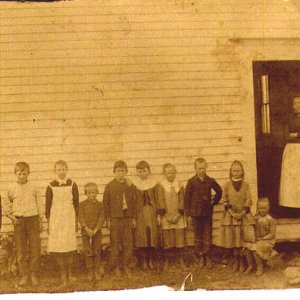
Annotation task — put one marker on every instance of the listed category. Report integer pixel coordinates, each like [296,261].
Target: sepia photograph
[149,144]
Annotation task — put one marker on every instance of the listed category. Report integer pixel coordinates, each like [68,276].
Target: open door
[279,82]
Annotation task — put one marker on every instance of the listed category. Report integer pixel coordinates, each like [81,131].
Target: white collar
[144,185]
[167,185]
[61,181]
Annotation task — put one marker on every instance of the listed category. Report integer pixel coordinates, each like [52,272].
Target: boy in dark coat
[198,204]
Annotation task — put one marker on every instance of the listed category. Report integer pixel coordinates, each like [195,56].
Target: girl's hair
[22,166]
[62,163]
[143,165]
[237,163]
[168,165]
[90,185]
[120,164]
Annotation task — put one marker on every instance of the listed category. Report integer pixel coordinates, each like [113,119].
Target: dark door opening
[283,85]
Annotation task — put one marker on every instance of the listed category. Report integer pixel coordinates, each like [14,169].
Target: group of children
[136,213]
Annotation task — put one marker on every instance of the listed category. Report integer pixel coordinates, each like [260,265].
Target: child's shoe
[183,267]
[241,265]
[150,264]
[23,281]
[208,263]
[34,280]
[201,262]
[166,265]
[235,265]
[250,261]
[63,280]
[127,272]
[144,264]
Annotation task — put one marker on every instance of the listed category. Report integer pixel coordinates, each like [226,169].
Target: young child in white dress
[171,211]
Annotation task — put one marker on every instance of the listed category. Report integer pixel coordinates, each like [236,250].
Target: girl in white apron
[62,202]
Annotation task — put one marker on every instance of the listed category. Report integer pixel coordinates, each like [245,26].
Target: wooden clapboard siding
[91,82]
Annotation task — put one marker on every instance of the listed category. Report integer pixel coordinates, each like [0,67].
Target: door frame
[246,51]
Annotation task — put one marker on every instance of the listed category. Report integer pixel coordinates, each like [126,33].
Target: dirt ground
[220,277]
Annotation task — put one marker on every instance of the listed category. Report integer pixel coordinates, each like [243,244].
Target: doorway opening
[271,121]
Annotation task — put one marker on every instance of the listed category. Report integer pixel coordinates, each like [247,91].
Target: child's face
[61,171]
[91,193]
[120,173]
[143,173]
[263,208]
[170,173]
[296,105]
[236,171]
[200,168]
[22,175]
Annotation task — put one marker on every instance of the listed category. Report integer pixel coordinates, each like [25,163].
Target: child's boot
[241,265]
[69,263]
[99,272]
[235,265]
[182,264]
[250,261]
[208,262]
[144,264]
[150,263]
[259,264]
[23,280]
[34,280]
[166,265]
[201,261]
[127,272]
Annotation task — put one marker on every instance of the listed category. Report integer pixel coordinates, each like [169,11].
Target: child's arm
[106,203]
[188,198]
[49,197]
[101,220]
[218,192]
[39,206]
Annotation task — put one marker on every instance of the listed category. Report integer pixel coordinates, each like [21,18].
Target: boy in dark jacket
[198,204]
[120,214]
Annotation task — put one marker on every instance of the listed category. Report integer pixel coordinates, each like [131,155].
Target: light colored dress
[264,248]
[146,217]
[62,222]
[171,202]
[231,229]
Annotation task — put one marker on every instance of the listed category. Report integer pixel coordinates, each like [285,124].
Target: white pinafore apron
[62,231]
[289,194]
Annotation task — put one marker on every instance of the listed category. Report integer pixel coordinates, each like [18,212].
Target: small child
[237,202]
[265,235]
[62,202]
[120,214]
[25,209]
[91,219]
[146,221]
[198,204]
[171,210]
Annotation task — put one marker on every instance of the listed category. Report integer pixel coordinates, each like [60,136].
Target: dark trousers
[120,235]
[202,234]
[28,244]
[92,250]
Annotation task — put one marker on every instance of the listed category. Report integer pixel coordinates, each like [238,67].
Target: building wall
[91,82]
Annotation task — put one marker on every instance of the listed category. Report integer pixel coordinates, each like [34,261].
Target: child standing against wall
[171,210]
[25,209]
[62,202]
[91,219]
[237,217]
[146,222]
[120,214]
[198,204]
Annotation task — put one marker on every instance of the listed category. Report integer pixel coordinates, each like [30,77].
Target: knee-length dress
[146,216]
[264,226]
[62,202]
[231,229]
[171,205]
